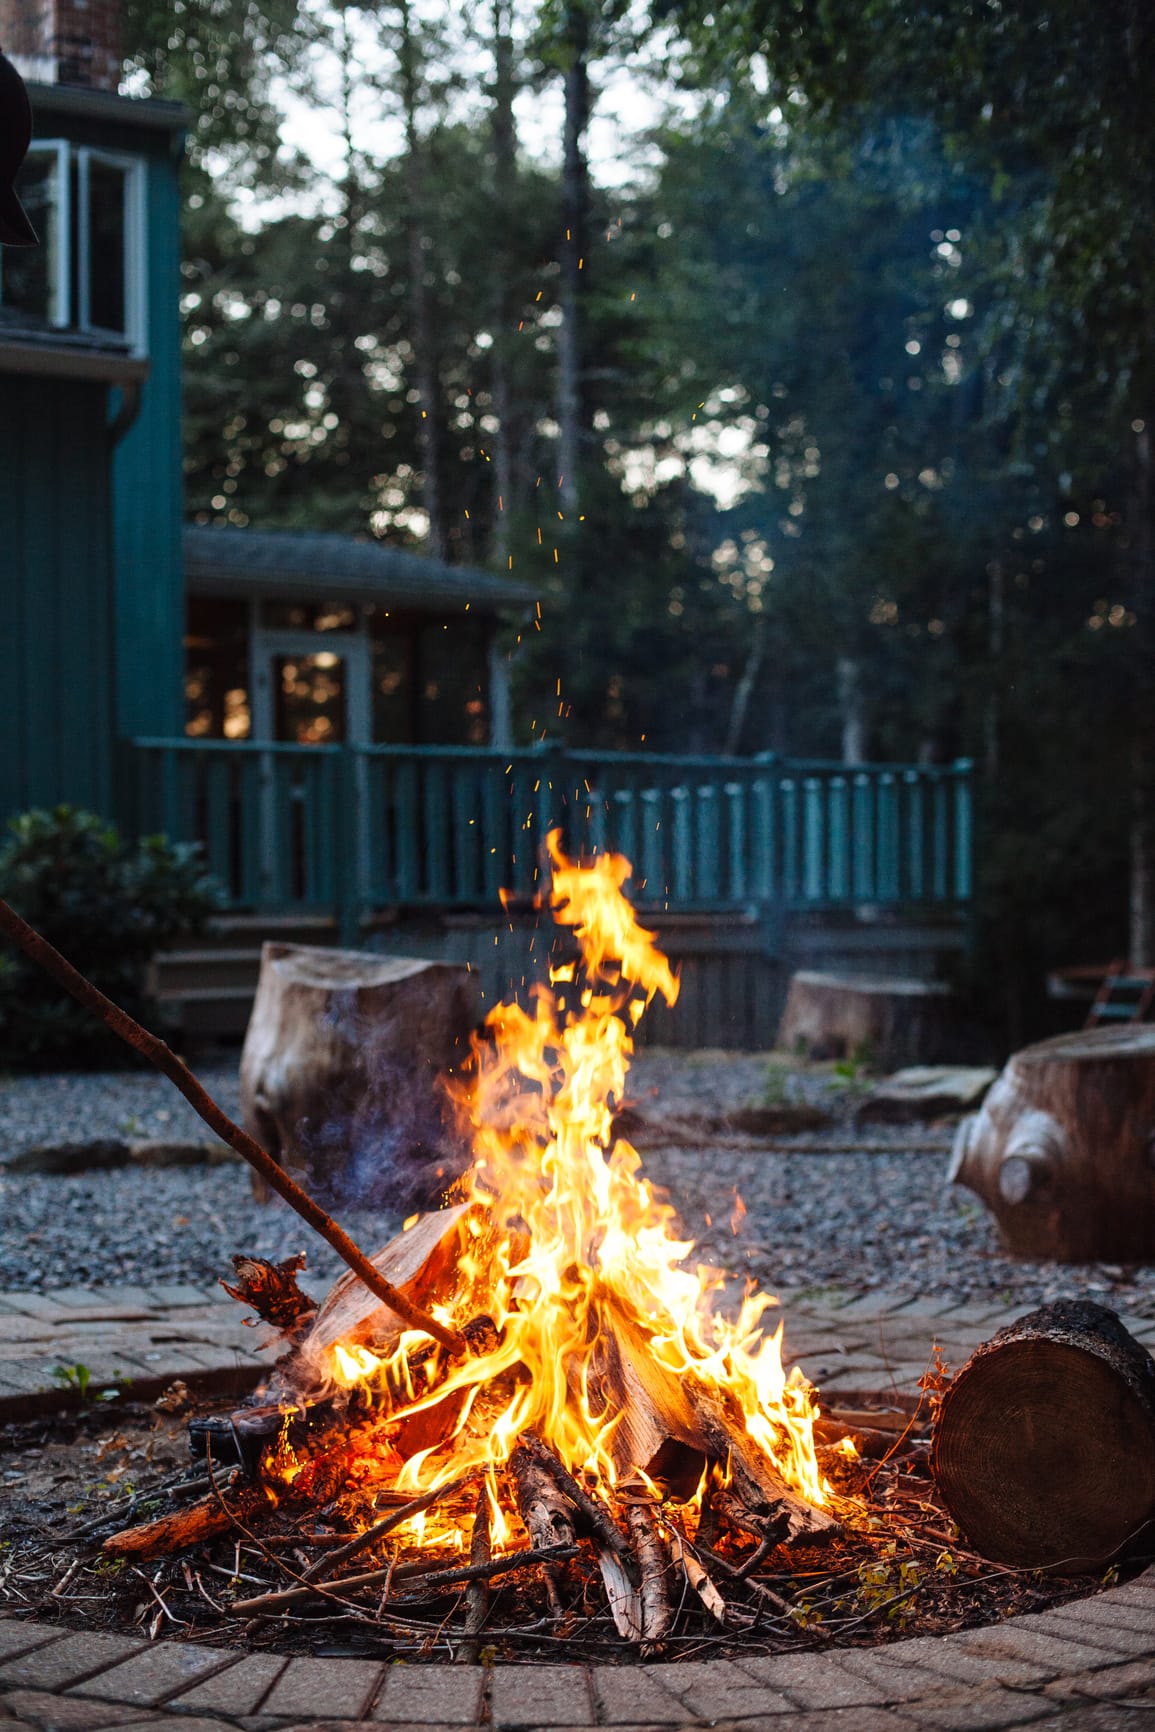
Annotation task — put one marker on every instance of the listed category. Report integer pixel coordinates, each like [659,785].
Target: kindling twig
[332,1560]
[158,1053]
[419,1568]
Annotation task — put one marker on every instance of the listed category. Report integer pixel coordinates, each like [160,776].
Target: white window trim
[135,333]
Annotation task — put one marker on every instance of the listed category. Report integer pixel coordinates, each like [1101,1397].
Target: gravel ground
[884,1218]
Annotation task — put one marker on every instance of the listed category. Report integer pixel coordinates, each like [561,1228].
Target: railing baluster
[963,830]
[737,862]
[708,851]
[788,810]
[838,821]
[941,843]
[813,841]
[862,840]
[914,783]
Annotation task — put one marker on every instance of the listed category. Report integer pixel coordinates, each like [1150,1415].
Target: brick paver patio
[1087,1664]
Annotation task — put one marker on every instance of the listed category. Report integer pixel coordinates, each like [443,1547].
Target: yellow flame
[580,1251]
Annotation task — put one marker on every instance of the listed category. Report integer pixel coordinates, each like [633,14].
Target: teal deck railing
[350,829]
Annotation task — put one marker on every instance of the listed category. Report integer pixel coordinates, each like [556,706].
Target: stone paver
[540,1696]
[150,1677]
[333,1689]
[431,1696]
[239,1689]
[149,1334]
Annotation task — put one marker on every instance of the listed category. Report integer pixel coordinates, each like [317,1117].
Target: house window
[87,276]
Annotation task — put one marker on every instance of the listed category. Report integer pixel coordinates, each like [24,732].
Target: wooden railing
[350,829]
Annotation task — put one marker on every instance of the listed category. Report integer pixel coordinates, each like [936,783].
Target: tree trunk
[850,704]
[575,215]
[1142,911]
[420,318]
[1062,1150]
[1044,1445]
[889,1022]
[504,175]
[342,1066]
[744,690]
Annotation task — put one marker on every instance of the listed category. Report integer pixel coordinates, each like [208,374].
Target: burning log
[1044,1445]
[546,1511]
[653,1563]
[596,1516]
[420,1264]
[696,1573]
[340,1070]
[675,1423]
[190,1526]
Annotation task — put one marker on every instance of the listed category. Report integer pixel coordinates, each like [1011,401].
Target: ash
[882,1216]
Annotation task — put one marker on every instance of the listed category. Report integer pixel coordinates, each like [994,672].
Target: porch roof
[303,565]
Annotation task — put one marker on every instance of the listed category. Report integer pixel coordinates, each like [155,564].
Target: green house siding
[55,594]
[147,494]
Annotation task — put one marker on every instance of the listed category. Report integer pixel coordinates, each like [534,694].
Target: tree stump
[342,1068]
[887,1020]
[1063,1149]
[1044,1445]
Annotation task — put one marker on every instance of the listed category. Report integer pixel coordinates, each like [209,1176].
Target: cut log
[547,1513]
[1044,1445]
[1063,1150]
[886,1020]
[421,1263]
[673,1423]
[341,1069]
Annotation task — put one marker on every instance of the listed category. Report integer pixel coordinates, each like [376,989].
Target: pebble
[811,1221]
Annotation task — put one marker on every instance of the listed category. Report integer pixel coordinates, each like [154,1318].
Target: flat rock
[928,1092]
[101,1154]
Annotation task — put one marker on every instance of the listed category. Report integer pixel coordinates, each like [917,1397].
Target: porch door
[309,689]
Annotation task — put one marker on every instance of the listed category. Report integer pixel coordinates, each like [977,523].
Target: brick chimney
[63,41]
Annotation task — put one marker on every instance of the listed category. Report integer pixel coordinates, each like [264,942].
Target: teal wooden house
[90,482]
[329,717]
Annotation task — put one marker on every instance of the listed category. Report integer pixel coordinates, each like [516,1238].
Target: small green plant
[109,905]
[76,1377]
[776,1085]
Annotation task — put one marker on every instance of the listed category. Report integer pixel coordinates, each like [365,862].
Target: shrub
[108,906]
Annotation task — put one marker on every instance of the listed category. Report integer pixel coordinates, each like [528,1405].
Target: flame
[580,1253]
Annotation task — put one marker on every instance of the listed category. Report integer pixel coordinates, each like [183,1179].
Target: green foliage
[76,1377]
[107,905]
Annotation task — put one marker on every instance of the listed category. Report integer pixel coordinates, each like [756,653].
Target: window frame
[69,274]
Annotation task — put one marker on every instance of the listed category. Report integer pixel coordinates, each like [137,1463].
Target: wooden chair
[1126,995]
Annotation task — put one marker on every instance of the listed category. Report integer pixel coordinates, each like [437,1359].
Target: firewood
[271,1289]
[677,1422]
[546,1511]
[596,1516]
[696,1573]
[624,1598]
[653,1563]
[197,1522]
[1044,1443]
[419,1263]
[477,1593]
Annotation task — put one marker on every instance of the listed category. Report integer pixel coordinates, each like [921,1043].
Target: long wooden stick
[159,1054]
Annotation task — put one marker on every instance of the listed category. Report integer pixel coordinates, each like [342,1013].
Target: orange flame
[581,1249]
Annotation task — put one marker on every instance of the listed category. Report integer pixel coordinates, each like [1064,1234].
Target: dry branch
[477,1594]
[597,1517]
[652,1561]
[197,1522]
[159,1054]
